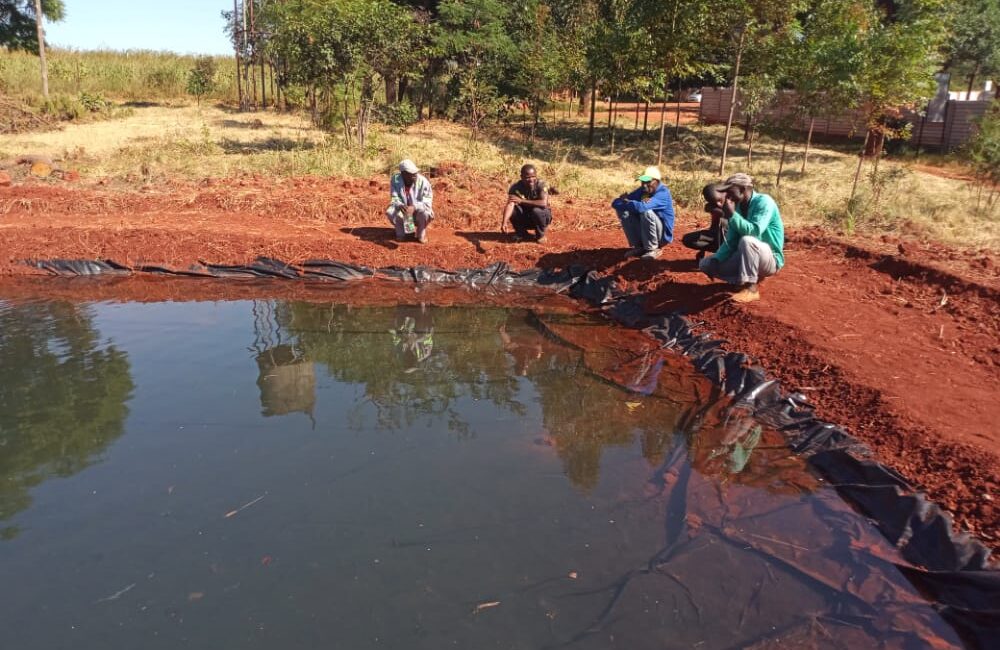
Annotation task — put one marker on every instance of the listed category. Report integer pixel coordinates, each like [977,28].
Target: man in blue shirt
[647,215]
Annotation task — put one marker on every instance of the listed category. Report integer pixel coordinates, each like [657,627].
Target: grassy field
[137,76]
[190,142]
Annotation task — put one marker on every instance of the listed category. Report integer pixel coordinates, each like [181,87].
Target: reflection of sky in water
[385,473]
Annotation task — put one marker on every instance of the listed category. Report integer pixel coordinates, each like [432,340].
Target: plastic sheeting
[950,568]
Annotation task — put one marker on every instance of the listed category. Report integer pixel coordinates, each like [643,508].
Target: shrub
[400,115]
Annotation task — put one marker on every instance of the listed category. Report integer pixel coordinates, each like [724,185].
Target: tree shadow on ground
[237,147]
[476,238]
[385,237]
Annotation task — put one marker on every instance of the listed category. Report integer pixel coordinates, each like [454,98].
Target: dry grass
[191,142]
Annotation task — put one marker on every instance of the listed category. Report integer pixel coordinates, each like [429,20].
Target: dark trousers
[526,218]
[708,240]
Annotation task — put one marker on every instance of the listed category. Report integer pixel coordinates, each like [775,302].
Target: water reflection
[418,362]
[285,377]
[62,396]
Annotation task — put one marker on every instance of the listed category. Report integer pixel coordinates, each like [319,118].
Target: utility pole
[41,48]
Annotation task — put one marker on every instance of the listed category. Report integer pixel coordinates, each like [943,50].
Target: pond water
[271,474]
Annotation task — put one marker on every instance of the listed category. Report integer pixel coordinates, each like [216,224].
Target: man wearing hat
[411,202]
[646,215]
[755,239]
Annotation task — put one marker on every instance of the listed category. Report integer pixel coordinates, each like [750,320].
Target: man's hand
[623,196]
[516,200]
[503,226]
[410,209]
[729,207]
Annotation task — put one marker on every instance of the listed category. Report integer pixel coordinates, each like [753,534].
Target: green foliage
[984,152]
[129,76]
[399,115]
[17,22]
[201,77]
[63,396]
[974,39]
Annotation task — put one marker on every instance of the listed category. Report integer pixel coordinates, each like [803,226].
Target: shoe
[542,239]
[746,295]
[652,254]
[422,238]
[633,252]
[517,239]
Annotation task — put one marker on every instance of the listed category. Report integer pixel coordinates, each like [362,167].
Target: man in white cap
[646,215]
[411,202]
[755,239]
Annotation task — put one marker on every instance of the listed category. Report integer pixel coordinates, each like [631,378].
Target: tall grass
[132,75]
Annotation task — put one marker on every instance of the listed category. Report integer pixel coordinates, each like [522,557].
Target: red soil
[897,341]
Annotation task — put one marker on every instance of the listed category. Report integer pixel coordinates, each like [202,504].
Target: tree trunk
[677,118]
[40,28]
[645,121]
[636,127]
[732,103]
[809,137]
[612,123]
[747,124]
[391,87]
[593,105]
[663,121]
[263,83]
[861,160]
[972,79]
[239,64]
[585,100]
[753,133]
[781,160]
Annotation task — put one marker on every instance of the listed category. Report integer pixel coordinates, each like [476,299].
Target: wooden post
[593,106]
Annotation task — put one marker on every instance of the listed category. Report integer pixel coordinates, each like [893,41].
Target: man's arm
[396,192]
[427,199]
[758,218]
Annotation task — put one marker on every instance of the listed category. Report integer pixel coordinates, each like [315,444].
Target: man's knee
[748,243]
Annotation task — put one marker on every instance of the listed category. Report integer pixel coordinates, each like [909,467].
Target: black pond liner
[955,569]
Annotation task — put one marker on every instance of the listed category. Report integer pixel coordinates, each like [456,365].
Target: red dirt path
[897,341]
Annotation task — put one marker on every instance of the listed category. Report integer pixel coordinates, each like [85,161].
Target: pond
[287,474]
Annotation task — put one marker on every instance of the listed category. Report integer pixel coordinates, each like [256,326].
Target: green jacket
[762,221]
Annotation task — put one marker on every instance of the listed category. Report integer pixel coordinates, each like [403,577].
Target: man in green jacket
[753,248]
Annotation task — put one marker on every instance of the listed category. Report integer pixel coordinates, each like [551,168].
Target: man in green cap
[755,239]
[646,215]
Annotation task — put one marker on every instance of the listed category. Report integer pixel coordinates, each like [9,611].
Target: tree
[753,21]
[984,152]
[826,58]
[201,77]
[63,396]
[974,40]
[18,25]
[901,45]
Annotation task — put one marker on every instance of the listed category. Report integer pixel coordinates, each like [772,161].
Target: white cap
[408,166]
[649,174]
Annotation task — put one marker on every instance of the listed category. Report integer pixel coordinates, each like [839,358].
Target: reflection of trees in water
[418,361]
[413,361]
[62,396]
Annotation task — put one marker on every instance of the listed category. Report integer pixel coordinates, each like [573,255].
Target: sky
[183,26]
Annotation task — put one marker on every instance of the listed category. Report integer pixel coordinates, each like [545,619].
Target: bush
[201,77]
[401,115]
[984,153]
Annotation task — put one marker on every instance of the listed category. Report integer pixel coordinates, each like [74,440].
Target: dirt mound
[15,117]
